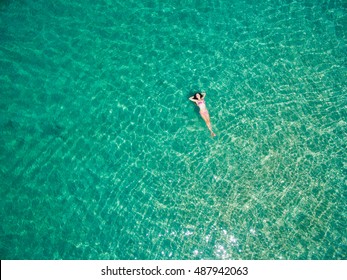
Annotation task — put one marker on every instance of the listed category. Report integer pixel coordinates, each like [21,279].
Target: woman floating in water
[199,100]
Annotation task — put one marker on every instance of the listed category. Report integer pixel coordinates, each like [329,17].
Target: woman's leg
[206,118]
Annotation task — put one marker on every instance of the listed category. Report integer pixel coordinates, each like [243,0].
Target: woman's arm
[203,95]
[192,99]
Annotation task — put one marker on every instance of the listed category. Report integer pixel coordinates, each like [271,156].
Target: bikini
[203,111]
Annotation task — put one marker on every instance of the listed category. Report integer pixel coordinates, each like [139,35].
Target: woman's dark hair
[195,97]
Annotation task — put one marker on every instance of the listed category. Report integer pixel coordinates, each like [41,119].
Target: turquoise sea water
[104,157]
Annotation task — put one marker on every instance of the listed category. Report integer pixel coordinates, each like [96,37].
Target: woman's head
[197,95]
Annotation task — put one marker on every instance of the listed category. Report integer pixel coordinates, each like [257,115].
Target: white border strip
[250,270]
